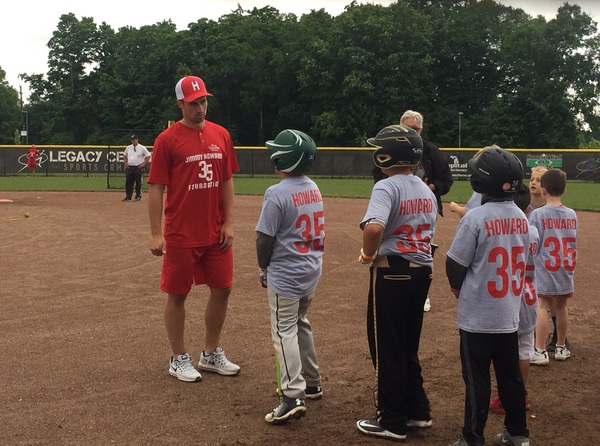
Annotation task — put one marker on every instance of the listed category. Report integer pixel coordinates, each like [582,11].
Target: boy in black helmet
[486,269]
[397,230]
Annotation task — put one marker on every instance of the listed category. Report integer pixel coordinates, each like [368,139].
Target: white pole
[459,128]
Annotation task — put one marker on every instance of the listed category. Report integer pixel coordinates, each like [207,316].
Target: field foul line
[15,218]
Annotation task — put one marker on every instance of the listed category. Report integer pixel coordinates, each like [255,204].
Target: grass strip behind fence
[580,195]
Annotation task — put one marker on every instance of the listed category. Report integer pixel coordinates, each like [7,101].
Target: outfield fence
[334,162]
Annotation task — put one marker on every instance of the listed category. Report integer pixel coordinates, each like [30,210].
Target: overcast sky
[27,26]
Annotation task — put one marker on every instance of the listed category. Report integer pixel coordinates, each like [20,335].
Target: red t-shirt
[193,164]
[32,154]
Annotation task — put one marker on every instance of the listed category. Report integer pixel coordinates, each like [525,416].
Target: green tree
[550,78]
[300,38]
[137,77]
[593,143]
[237,59]
[575,34]
[465,76]
[519,81]
[372,64]
[10,116]
[64,104]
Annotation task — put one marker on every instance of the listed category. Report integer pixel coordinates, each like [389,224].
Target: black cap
[134,136]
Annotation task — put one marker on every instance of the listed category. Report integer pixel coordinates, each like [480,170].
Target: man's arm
[155,212]
[226,237]
[378,174]
[146,161]
[442,175]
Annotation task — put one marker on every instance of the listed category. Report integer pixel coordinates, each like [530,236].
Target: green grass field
[582,196]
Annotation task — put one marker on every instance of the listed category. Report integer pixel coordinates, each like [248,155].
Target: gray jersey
[407,208]
[474,201]
[528,311]
[557,256]
[492,242]
[292,212]
[531,208]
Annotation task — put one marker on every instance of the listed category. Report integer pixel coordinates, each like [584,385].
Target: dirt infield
[84,350]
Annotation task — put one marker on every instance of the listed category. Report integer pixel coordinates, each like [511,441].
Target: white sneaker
[427,305]
[511,440]
[460,442]
[539,357]
[183,369]
[218,362]
[419,423]
[562,353]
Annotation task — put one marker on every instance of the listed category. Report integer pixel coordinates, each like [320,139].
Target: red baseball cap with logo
[190,88]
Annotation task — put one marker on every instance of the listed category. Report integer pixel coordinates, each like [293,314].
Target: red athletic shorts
[31,163]
[208,265]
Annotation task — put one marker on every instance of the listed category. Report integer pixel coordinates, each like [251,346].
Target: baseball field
[85,353]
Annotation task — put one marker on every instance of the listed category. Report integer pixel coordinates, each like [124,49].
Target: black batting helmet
[493,167]
[397,145]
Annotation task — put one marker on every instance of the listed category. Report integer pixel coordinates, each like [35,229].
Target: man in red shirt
[32,155]
[194,160]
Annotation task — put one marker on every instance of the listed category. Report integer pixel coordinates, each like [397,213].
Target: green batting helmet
[292,151]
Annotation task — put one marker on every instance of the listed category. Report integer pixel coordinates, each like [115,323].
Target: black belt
[391,261]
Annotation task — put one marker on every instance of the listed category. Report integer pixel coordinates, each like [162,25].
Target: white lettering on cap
[195,85]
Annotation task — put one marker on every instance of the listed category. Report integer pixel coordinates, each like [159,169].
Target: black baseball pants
[133,174]
[394,321]
[477,352]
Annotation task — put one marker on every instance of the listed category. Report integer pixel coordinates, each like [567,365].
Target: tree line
[480,72]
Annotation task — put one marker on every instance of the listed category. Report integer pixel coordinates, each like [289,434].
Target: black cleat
[288,409]
[314,393]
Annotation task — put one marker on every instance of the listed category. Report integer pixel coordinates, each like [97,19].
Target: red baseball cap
[190,88]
